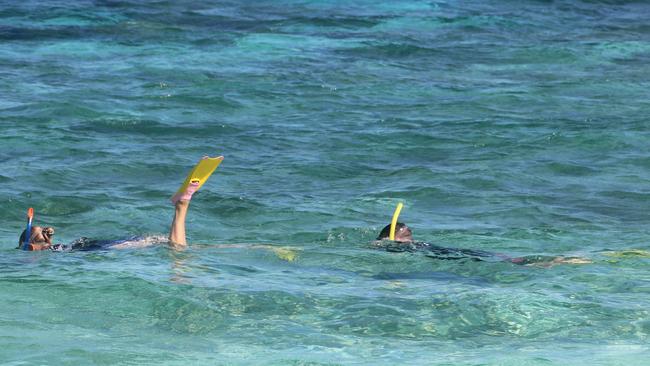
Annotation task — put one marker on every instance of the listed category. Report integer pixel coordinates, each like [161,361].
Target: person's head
[402,233]
[39,235]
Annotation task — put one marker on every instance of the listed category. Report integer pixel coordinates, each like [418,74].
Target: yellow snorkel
[393,223]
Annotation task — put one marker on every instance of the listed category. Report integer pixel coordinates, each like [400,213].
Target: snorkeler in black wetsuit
[86,244]
[404,243]
[40,238]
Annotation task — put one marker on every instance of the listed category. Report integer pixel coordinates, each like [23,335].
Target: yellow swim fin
[201,172]
[285,254]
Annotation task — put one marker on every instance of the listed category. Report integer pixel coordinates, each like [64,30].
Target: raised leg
[181,202]
[177,231]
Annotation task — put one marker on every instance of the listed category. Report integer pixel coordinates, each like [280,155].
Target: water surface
[512,127]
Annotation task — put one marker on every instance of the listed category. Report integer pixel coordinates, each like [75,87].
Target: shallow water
[517,128]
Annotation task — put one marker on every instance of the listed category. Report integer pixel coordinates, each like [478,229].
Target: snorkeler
[403,242]
[398,237]
[40,238]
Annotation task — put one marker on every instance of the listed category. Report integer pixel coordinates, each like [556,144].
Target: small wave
[391,50]
[337,22]
[12,33]
[570,169]
[150,127]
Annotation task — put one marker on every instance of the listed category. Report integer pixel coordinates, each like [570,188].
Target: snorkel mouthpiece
[28,230]
[393,223]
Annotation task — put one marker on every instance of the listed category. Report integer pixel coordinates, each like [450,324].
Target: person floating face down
[40,238]
[404,242]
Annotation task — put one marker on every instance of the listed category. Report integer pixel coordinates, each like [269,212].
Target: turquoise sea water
[518,127]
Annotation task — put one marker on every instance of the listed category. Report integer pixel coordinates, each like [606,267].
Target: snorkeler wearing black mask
[403,242]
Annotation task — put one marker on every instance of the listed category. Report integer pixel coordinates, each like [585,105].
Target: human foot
[187,194]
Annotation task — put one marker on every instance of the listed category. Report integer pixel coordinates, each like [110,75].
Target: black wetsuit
[86,244]
[438,252]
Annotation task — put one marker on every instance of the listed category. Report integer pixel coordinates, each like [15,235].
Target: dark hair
[385,232]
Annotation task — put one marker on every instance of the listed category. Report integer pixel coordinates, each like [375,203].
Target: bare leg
[547,261]
[177,231]
[181,203]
